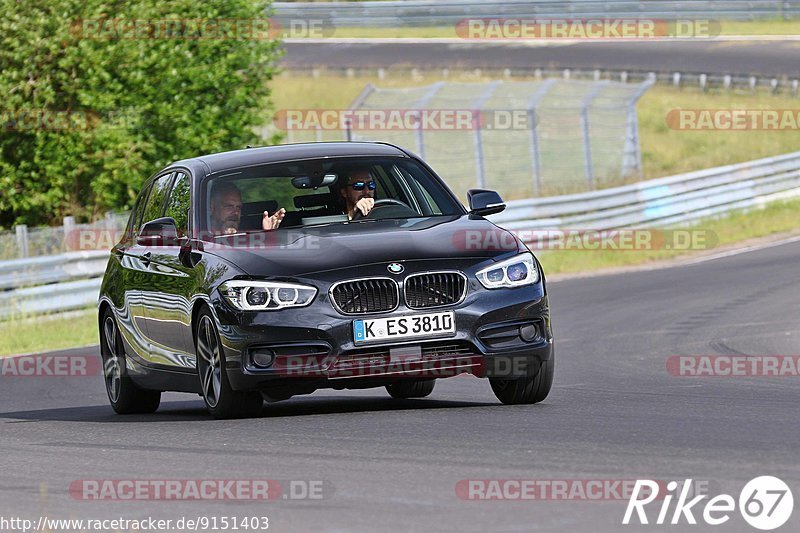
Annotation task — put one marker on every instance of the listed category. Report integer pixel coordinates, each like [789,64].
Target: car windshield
[322,191]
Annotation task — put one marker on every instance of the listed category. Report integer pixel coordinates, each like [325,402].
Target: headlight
[514,272]
[266,295]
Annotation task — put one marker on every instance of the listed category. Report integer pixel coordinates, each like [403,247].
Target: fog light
[528,332]
[263,357]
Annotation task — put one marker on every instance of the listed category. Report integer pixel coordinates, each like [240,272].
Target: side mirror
[484,202]
[159,232]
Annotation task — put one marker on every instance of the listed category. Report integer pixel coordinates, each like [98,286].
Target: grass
[665,151]
[775,218]
[725,27]
[28,335]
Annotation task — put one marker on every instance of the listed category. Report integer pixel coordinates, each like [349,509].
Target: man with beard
[226,211]
[357,191]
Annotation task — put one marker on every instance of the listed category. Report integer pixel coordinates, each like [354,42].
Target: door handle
[145,257]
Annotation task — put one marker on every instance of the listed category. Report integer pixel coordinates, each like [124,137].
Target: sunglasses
[359,185]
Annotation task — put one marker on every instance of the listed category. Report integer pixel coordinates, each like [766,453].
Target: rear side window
[136,217]
[178,203]
[155,201]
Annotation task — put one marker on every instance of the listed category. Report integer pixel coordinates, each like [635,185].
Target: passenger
[226,211]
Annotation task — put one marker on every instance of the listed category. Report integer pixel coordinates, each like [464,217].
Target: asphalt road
[763,58]
[615,413]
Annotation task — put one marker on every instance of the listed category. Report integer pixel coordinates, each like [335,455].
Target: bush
[93,103]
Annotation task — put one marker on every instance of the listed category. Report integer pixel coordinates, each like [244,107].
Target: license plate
[404,327]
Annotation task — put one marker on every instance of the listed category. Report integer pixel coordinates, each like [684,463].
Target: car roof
[289,152]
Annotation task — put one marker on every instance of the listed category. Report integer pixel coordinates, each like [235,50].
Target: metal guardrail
[51,283]
[42,270]
[50,298]
[440,13]
[662,202]
[784,84]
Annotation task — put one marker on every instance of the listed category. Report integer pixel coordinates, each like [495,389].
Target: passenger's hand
[272,222]
[365,205]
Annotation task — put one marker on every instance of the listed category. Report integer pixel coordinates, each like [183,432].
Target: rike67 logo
[765,502]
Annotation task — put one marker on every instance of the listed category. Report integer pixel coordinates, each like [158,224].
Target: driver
[226,211]
[358,191]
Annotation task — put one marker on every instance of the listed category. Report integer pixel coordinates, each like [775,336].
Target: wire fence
[524,139]
[23,241]
[421,13]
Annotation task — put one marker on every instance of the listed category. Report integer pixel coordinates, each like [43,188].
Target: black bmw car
[264,273]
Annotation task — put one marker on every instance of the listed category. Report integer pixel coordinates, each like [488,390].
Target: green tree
[97,95]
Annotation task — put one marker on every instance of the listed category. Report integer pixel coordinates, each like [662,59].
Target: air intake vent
[371,295]
[434,289]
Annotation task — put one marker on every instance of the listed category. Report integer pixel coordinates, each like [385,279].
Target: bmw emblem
[395,268]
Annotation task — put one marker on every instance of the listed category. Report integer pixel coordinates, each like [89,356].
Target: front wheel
[411,388]
[123,394]
[220,399]
[527,390]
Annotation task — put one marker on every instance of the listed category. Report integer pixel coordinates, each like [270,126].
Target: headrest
[258,208]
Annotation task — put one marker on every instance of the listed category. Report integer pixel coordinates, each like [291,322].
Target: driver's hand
[272,222]
[365,205]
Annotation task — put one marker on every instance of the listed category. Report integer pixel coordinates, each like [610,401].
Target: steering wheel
[380,203]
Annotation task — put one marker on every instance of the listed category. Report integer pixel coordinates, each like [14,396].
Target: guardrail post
[632,154]
[587,140]
[533,123]
[69,227]
[420,105]
[477,139]
[22,240]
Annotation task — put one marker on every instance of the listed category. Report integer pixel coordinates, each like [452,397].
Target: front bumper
[313,347]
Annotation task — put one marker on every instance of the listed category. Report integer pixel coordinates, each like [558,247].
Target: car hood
[299,252]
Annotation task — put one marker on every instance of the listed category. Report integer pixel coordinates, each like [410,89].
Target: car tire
[527,390]
[125,397]
[221,400]
[411,389]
